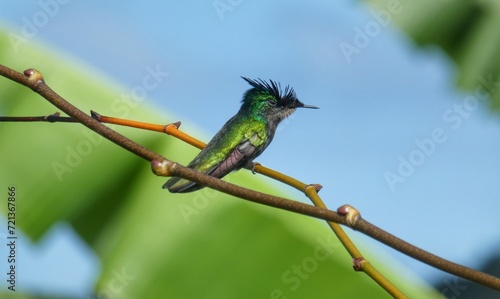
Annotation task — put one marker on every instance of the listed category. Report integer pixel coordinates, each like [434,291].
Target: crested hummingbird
[246,135]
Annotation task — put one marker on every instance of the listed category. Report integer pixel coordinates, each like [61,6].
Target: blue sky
[393,137]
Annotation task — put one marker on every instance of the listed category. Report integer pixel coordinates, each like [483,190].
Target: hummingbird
[246,135]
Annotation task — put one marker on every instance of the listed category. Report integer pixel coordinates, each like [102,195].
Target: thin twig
[162,166]
[47,118]
[165,167]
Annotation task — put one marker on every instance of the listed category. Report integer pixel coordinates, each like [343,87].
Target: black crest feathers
[273,88]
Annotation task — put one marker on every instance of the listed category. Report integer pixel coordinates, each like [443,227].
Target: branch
[161,166]
[48,118]
[310,190]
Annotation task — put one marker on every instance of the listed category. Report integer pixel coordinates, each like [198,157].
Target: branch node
[171,127]
[357,263]
[34,76]
[352,214]
[52,118]
[316,187]
[161,168]
[95,115]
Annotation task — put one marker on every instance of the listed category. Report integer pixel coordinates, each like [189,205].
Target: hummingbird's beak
[299,104]
[308,106]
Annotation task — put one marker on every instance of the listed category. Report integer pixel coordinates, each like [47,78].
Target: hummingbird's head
[270,101]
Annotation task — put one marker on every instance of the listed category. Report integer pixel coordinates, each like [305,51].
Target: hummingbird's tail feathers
[234,161]
[179,185]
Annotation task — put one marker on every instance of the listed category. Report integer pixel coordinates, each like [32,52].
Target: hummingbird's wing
[223,154]
[236,159]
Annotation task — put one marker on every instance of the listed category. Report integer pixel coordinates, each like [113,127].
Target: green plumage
[245,136]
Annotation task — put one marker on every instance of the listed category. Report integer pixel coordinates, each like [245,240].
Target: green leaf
[466,30]
[153,244]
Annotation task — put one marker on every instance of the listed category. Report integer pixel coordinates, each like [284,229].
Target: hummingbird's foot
[252,165]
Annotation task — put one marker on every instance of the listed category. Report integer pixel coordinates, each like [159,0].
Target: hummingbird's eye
[272,103]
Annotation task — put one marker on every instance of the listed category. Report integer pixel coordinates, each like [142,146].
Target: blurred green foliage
[153,244]
[468,31]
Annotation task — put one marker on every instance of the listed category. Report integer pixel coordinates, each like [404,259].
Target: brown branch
[311,191]
[164,167]
[52,118]
[390,240]
[161,166]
